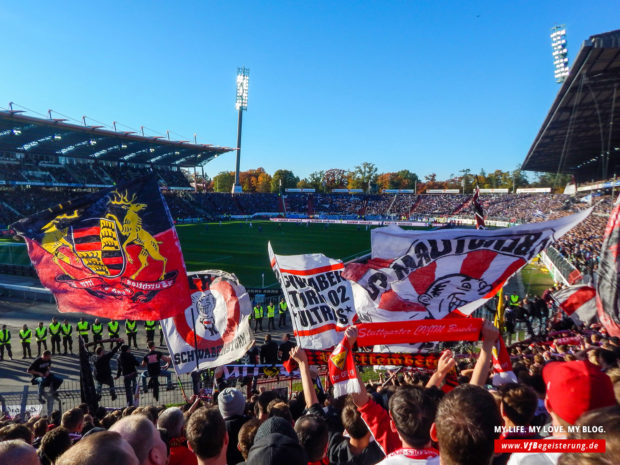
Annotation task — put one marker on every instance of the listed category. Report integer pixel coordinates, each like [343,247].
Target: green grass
[239,249]
[536,278]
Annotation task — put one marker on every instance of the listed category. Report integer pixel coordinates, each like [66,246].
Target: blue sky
[426,86]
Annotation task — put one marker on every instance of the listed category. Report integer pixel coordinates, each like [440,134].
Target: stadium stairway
[461,207]
[415,204]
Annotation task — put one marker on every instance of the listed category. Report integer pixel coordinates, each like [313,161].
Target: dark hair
[16,432]
[46,352]
[352,422]
[205,432]
[313,435]
[40,427]
[54,443]
[413,413]
[262,402]
[466,421]
[279,408]
[268,338]
[519,403]
[246,436]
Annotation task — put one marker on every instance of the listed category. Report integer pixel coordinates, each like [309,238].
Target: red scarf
[502,364]
[342,371]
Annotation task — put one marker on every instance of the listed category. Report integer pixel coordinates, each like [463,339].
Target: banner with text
[319,299]
[214,330]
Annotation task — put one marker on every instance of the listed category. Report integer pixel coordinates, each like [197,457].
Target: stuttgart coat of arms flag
[114,253]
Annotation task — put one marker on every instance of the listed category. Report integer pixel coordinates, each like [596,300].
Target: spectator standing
[40,369]
[67,340]
[282,309]
[149,325]
[83,327]
[146,441]
[285,348]
[97,329]
[269,351]
[127,364]
[54,329]
[5,342]
[173,421]
[40,333]
[231,404]
[103,373]
[271,316]
[131,330]
[207,436]
[258,317]
[153,368]
[102,448]
[113,331]
[16,451]
[24,335]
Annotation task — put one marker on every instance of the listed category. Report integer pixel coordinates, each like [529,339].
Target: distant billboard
[443,191]
[503,190]
[294,190]
[398,191]
[533,190]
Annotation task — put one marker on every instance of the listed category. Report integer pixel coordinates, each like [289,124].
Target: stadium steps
[415,204]
[391,204]
[9,207]
[461,207]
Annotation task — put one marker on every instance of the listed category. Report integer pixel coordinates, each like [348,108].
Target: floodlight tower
[241,104]
[560,53]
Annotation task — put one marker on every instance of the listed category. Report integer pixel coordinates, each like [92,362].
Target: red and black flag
[113,253]
[477,206]
[607,288]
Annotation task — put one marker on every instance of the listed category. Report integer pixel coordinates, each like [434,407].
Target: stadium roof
[21,133]
[581,133]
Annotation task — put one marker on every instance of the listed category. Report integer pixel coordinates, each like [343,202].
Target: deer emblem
[55,237]
[131,228]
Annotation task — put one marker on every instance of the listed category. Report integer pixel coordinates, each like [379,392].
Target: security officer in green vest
[282,309]
[131,329]
[24,336]
[113,330]
[83,328]
[271,315]
[67,341]
[161,334]
[5,342]
[258,317]
[97,329]
[54,329]
[40,333]
[150,331]
[514,299]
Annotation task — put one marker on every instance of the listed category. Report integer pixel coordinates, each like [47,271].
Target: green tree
[287,178]
[363,176]
[224,181]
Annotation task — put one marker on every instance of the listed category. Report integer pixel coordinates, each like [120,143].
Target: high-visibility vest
[25,335]
[258,311]
[67,329]
[97,329]
[130,327]
[41,333]
[514,299]
[282,308]
[113,328]
[82,327]
[150,325]
[5,336]
[271,311]
[54,328]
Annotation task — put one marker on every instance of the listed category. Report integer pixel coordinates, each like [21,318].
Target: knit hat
[231,402]
[276,443]
[275,425]
[574,388]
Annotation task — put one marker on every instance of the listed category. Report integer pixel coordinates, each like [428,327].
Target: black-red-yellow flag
[114,253]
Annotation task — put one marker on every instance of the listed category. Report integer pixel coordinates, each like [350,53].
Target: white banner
[415,275]
[525,190]
[29,412]
[498,190]
[442,191]
[215,329]
[319,299]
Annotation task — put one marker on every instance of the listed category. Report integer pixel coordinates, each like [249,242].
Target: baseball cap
[574,388]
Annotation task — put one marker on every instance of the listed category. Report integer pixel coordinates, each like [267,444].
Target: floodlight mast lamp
[560,53]
[241,104]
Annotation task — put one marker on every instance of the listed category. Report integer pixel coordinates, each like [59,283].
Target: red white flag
[477,206]
[608,288]
[113,253]
[578,302]
[320,300]
[342,372]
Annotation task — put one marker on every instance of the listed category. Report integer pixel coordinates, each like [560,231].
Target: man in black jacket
[269,351]
[127,364]
[231,404]
[103,373]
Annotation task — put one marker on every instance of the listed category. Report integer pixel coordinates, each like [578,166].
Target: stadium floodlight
[560,53]
[241,104]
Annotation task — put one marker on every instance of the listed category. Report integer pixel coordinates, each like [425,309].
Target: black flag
[87,384]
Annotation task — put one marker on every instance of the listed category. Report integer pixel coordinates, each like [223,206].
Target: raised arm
[481,371]
[299,355]
[444,366]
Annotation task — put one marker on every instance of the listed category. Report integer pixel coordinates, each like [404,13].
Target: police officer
[258,317]
[40,333]
[150,331]
[131,330]
[54,329]
[5,342]
[24,335]
[282,309]
[97,329]
[113,330]
[83,327]
[161,334]
[66,329]
[271,315]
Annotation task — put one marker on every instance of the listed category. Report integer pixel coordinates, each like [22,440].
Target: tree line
[366,177]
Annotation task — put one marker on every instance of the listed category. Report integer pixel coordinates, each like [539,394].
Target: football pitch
[241,249]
